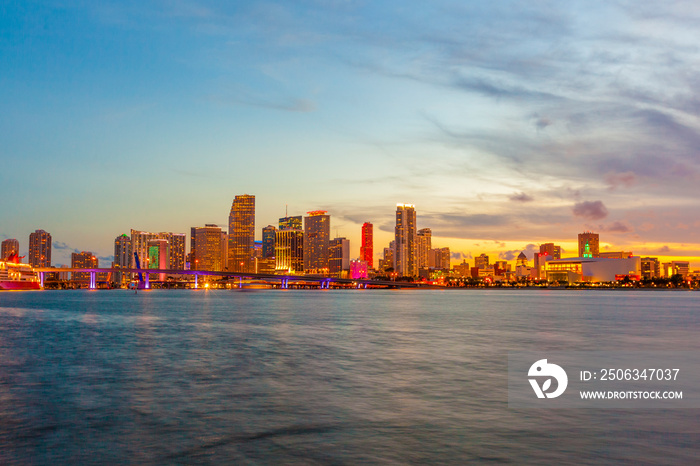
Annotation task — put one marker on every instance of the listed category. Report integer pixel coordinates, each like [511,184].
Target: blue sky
[506,124]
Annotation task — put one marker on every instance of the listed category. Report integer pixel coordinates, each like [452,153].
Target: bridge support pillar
[41,279]
[93,280]
[196,281]
[147,281]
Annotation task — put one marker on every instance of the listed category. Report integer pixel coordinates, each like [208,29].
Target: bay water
[324,376]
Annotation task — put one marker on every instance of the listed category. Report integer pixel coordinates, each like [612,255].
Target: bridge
[284,280]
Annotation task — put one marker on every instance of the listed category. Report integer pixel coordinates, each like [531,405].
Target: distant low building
[592,269]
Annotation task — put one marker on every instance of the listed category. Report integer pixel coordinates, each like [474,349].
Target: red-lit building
[367,247]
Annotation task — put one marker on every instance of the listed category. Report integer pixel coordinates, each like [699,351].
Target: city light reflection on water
[322,377]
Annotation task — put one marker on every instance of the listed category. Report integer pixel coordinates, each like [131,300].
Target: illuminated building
[367,246]
[551,249]
[317,232]
[290,223]
[289,251]
[387,261]
[592,269]
[209,248]
[588,244]
[339,255]
[122,257]
[439,258]
[241,234]
[681,268]
[40,249]
[463,269]
[268,241]
[424,245]
[9,247]
[176,242]
[158,256]
[650,267]
[540,262]
[405,261]
[358,269]
[481,262]
[82,260]
[521,260]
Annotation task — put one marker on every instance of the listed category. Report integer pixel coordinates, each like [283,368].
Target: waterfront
[323,376]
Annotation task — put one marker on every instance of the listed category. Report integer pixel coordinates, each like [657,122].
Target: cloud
[625,180]
[512,254]
[284,104]
[460,255]
[107,259]
[590,210]
[63,246]
[616,227]
[521,197]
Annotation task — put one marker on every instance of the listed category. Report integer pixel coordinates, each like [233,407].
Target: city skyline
[499,135]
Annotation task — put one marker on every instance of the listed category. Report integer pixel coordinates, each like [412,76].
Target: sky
[507,124]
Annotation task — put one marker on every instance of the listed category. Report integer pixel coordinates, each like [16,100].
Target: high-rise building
[317,233]
[439,258]
[9,247]
[425,244]
[358,269]
[241,234]
[290,223]
[82,260]
[268,241]
[521,261]
[40,249]
[387,261]
[176,248]
[588,244]
[367,246]
[551,249]
[289,251]
[650,267]
[208,249]
[158,256]
[339,255]
[405,261]
[482,262]
[681,267]
[122,257]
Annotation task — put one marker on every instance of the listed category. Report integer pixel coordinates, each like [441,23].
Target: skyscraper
[405,261]
[588,244]
[82,260]
[551,249]
[159,256]
[317,233]
[290,223]
[241,234]
[424,245]
[289,251]
[208,254]
[176,248]
[122,257]
[268,241]
[40,249]
[339,255]
[367,246]
[9,247]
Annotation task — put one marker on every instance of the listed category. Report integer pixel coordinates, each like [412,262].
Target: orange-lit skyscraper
[317,235]
[550,249]
[208,254]
[405,261]
[367,246]
[241,234]
[9,247]
[588,244]
[83,260]
[122,257]
[40,249]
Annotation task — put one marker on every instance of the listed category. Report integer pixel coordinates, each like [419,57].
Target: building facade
[9,246]
[289,251]
[424,245]
[339,256]
[122,258]
[367,246]
[317,233]
[588,244]
[241,234]
[40,249]
[82,260]
[208,248]
[551,249]
[405,236]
